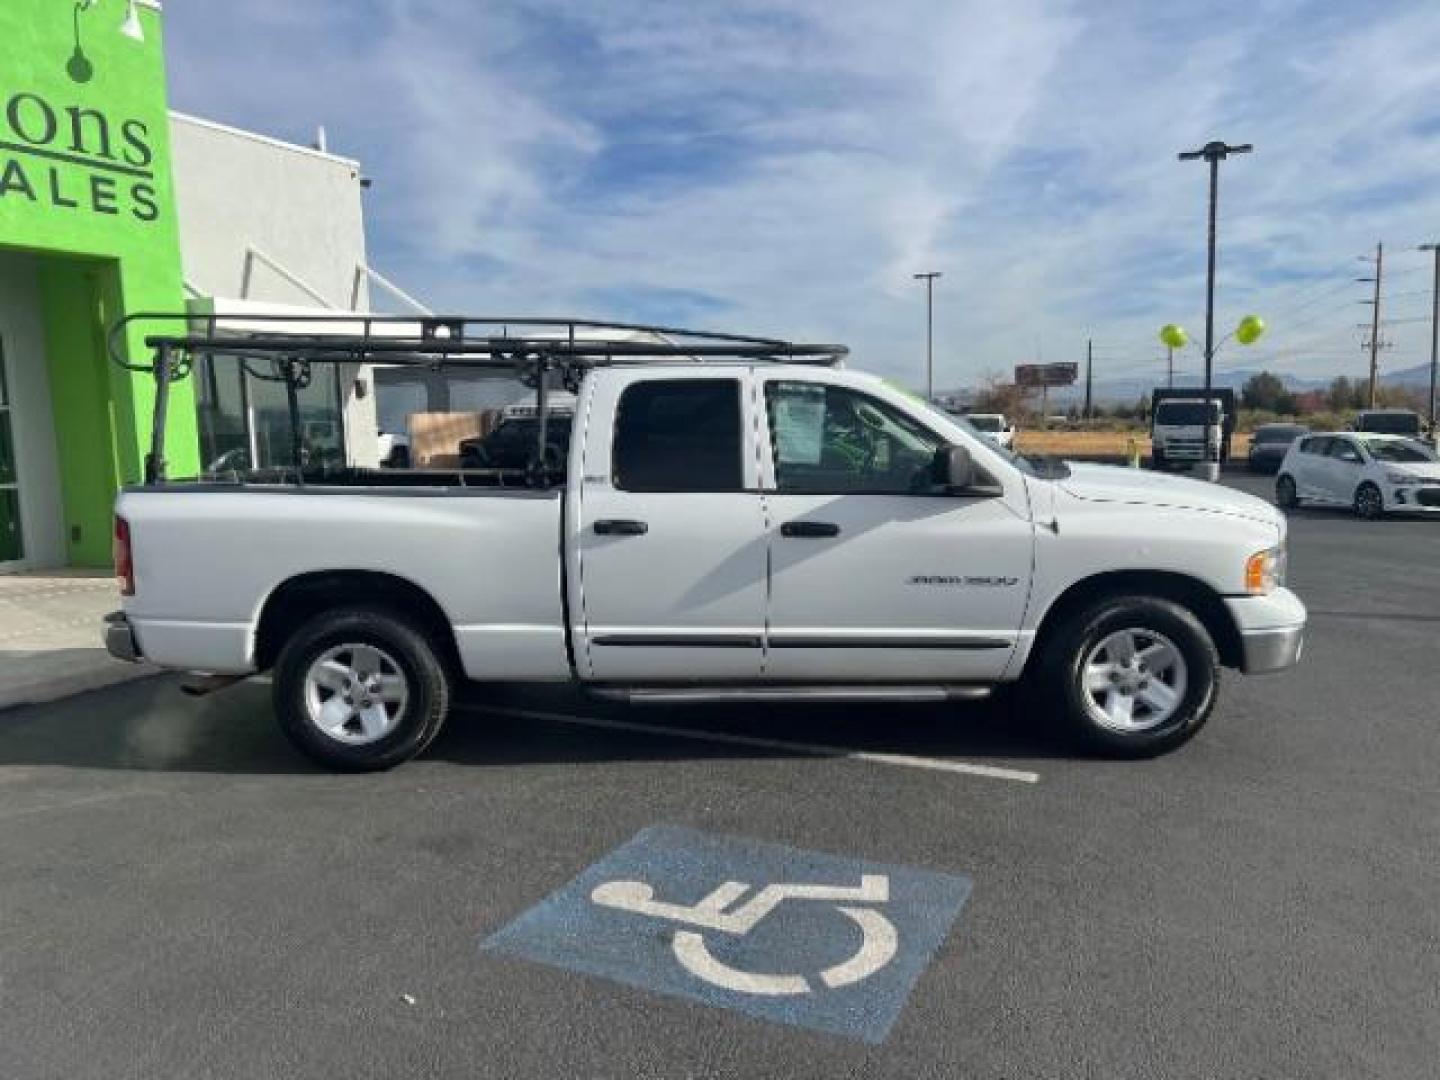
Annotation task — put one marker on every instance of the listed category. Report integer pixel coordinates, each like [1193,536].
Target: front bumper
[1272,630]
[1414,499]
[120,638]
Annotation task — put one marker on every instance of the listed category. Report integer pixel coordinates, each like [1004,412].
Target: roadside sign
[1046,374]
[791,936]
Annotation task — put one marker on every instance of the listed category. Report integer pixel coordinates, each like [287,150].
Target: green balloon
[1174,336]
[1250,329]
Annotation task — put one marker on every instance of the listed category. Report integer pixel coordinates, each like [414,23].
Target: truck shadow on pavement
[150,726]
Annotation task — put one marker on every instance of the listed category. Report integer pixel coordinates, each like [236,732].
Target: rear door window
[679,435]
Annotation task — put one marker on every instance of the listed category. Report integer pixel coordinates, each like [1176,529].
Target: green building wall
[86,185]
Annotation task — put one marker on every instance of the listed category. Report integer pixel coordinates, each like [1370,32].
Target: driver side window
[831,440]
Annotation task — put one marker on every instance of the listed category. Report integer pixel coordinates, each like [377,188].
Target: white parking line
[816,749]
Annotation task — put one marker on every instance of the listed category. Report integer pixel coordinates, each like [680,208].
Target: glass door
[12,541]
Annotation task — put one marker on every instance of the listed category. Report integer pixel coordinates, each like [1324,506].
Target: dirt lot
[1098,443]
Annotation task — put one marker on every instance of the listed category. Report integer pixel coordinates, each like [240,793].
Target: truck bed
[209,556]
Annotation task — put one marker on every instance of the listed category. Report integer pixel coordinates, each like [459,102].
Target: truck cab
[1178,421]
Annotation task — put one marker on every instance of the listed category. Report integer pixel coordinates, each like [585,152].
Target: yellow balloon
[1250,329]
[1174,336]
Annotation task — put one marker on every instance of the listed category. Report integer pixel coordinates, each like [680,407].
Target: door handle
[809,528]
[620,527]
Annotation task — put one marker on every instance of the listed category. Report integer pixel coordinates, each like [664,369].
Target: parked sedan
[994,427]
[1372,474]
[1269,443]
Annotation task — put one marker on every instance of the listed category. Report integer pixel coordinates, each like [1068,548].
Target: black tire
[1369,503]
[1286,497]
[415,657]
[1158,462]
[1067,650]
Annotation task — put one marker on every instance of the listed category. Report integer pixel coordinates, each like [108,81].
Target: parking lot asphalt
[182,896]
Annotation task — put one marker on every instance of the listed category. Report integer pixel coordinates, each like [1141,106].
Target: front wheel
[1286,497]
[1369,503]
[361,689]
[1132,676]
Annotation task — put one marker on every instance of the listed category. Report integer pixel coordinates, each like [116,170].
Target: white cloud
[533,154]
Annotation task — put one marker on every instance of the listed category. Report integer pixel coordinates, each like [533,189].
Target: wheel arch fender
[1189,592]
[299,598]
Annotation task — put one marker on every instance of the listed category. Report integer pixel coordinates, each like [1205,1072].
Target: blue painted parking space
[796,937]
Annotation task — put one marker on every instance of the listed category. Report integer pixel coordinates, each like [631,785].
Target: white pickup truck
[734,529]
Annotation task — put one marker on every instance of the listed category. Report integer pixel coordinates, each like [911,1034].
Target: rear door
[667,529]
[875,575]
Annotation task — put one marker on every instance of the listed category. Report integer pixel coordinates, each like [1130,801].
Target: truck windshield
[1020,462]
[1185,412]
[984,423]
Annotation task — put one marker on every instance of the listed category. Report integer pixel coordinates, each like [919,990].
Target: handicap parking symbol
[792,936]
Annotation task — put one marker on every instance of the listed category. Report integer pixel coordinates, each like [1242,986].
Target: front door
[874,574]
[670,539]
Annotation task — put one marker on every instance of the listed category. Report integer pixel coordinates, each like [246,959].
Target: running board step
[684,695]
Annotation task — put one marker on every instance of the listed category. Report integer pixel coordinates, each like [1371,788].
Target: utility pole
[1434,329]
[1089,374]
[1170,366]
[1213,153]
[1375,320]
[929,279]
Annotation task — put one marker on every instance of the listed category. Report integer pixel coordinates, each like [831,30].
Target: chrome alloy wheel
[355,693]
[1134,680]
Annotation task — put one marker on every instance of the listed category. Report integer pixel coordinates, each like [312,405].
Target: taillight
[124,562]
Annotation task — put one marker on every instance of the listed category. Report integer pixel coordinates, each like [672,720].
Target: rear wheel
[361,689]
[1132,676]
[1369,503]
[1286,497]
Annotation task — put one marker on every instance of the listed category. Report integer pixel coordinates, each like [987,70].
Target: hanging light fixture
[131,27]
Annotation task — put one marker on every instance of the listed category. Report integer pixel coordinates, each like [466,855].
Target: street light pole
[1375,321]
[1434,329]
[929,279]
[1214,153]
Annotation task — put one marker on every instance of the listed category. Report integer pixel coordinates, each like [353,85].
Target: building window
[244,415]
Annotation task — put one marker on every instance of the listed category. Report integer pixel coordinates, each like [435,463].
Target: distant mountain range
[1113,391]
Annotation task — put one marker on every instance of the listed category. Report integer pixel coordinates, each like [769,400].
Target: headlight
[1265,571]
[1403,478]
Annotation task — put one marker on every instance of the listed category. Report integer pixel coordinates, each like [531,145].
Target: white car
[1372,474]
[994,427]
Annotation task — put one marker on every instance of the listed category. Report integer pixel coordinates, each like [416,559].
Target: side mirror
[952,468]
[955,471]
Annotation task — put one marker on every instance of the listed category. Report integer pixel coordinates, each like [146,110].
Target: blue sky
[784,167]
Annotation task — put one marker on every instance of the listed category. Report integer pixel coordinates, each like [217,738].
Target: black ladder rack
[530,347]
